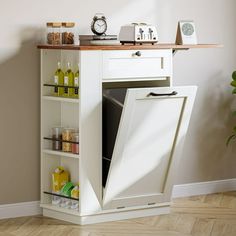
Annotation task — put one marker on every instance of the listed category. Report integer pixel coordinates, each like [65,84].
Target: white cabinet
[146,144]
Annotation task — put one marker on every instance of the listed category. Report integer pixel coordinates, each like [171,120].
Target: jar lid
[69,129]
[54,24]
[68,24]
[57,127]
[75,137]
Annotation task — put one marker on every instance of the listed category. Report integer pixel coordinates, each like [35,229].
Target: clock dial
[187,29]
[100,26]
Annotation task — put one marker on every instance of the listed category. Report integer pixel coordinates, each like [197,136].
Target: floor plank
[207,215]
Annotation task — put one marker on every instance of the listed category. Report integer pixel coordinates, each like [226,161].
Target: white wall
[205,156]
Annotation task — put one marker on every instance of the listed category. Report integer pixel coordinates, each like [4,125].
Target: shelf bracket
[174,51]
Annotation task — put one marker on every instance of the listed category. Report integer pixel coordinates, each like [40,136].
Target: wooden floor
[213,215]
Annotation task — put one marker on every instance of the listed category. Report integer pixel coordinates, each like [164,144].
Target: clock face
[187,29]
[99,26]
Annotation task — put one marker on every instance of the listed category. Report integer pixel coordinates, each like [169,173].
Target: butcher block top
[129,47]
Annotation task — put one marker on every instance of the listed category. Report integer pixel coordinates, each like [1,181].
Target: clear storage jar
[75,146]
[56,136]
[68,33]
[56,200]
[67,134]
[54,33]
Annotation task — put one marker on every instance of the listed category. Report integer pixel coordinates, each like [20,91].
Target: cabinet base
[106,217]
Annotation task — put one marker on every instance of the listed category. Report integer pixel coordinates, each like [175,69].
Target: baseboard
[194,189]
[183,190]
[20,209]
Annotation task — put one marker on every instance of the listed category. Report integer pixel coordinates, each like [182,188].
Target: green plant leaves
[234,75]
[233,83]
[233,136]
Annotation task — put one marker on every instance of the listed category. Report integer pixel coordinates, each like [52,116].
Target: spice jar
[54,33]
[57,136]
[75,146]
[67,136]
[68,34]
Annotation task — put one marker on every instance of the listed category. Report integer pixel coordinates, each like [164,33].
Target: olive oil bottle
[76,83]
[58,80]
[69,81]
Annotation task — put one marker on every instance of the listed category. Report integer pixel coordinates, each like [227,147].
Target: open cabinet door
[149,141]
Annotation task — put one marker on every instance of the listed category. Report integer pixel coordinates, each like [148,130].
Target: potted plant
[233,83]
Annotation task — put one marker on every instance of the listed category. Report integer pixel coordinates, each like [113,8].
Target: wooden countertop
[129,47]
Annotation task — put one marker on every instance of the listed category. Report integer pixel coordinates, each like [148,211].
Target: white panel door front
[125,64]
[153,124]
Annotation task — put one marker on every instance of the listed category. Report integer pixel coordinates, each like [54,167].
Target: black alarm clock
[99,24]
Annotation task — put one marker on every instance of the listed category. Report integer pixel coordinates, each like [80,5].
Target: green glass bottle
[69,81]
[58,80]
[76,84]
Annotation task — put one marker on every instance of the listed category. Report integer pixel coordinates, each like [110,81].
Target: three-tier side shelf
[132,123]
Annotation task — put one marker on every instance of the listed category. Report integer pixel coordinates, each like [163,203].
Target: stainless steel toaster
[138,33]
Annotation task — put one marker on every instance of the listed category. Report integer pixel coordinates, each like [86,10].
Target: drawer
[145,64]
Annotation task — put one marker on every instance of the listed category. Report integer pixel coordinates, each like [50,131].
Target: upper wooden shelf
[129,47]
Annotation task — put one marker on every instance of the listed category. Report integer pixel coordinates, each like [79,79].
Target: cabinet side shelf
[60,153]
[60,86]
[59,195]
[60,99]
[60,140]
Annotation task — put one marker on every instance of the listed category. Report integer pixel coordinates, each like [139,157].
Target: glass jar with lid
[67,136]
[75,144]
[57,137]
[68,33]
[54,33]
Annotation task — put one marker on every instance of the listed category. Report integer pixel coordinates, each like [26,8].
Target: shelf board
[60,153]
[129,46]
[60,140]
[60,209]
[59,195]
[61,99]
[60,86]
